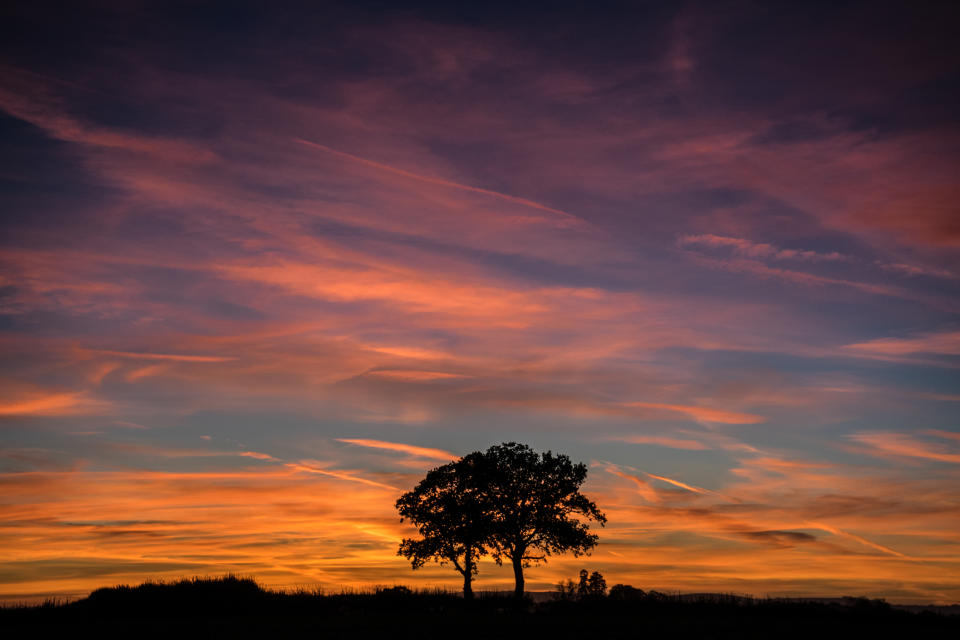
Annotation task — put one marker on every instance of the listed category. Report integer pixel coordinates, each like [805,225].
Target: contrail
[846,534]
[677,483]
[308,468]
[446,183]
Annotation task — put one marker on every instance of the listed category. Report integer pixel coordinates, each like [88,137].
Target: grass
[237,607]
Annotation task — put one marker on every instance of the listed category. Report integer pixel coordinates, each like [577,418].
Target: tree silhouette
[533,500]
[452,519]
[509,500]
[591,586]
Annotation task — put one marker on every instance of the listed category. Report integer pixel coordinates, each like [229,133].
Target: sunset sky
[263,265]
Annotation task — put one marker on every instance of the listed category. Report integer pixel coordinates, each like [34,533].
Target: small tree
[533,501]
[583,587]
[591,585]
[451,518]
[597,585]
[566,590]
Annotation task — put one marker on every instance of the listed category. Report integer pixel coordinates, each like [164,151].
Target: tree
[451,517]
[591,586]
[583,587]
[533,500]
[597,585]
[626,592]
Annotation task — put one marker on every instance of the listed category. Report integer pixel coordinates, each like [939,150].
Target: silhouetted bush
[625,592]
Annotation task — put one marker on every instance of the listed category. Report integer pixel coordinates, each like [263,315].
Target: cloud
[779,538]
[702,414]
[761,250]
[173,357]
[801,277]
[916,270]
[679,484]
[413,375]
[422,452]
[664,441]
[642,486]
[940,343]
[47,403]
[904,446]
[312,467]
[950,435]
[18,101]
[568,218]
[860,539]
[183,269]
[316,467]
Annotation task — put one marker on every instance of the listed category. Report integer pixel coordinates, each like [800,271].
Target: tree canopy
[451,518]
[536,499]
[510,501]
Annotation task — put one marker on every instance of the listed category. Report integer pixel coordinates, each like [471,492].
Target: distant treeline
[233,607]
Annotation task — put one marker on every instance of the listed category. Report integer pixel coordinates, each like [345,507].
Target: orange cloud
[643,487]
[47,404]
[860,539]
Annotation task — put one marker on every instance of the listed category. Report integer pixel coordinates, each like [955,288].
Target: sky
[263,265]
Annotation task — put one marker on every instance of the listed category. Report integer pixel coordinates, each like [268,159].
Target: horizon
[320,590]
[262,268]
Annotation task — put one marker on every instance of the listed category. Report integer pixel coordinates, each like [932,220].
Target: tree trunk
[468,575]
[467,587]
[518,574]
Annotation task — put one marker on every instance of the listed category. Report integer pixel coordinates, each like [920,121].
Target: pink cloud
[704,414]
[941,343]
[904,446]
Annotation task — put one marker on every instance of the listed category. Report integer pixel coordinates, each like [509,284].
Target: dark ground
[239,608]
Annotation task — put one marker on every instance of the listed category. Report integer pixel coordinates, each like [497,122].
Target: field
[233,607]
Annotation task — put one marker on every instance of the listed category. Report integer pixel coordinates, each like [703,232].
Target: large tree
[453,520]
[534,501]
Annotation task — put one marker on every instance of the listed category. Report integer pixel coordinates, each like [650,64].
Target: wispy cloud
[846,534]
[702,414]
[916,270]
[763,250]
[664,441]
[682,485]
[493,240]
[173,357]
[422,452]
[904,446]
[566,217]
[46,403]
[946,343]
[643,487]
[413,375]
